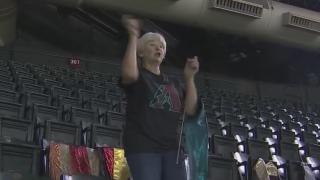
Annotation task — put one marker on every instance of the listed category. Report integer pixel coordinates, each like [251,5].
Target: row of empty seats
[243,129]
[58,105]
[85,108]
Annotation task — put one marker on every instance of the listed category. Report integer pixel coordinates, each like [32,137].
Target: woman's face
[154,50]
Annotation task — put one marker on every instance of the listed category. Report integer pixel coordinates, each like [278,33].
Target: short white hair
[147,37]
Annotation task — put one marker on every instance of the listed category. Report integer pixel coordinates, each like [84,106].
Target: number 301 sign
[74,62]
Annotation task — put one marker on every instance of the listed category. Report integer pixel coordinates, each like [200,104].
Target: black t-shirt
[153,111]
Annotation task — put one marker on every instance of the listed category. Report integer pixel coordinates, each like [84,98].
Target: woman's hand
[132,24]
[191,68]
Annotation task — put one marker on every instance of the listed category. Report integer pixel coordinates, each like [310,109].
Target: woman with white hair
[155,104]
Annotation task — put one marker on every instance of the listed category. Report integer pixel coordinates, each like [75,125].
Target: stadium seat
[42,76]
[315,165]
[222,169]
[86,95]
[68,102]
[116,119]
[289,162]
[261,133]
[22,79]
[41,113]
[49,83]
[4,70]
[253,122]
[284,117]
[302,120]
[117,104]
[101,107]
[5,77]
[9,96]
[91,83]
[295,171]
[255,149]
[294,126]
[16,130]
[28,99]
[308,138]
[6,85]
[233,130]
[81,75]
[228,102]
[214,129]
[224,146]
[84,117]
[13,110]
[230,118]
[266,115]
[248,112]
[36,98]
[70,83]
[99,135]
[225,109]
[19,157]
[62,132]
[16,64]
[100,91]
[59,91]
[65,103]
[22,73]
[310,128]
[115,92]
[20,176]
[211,117]
[32,88]
[289,151]
[274,125]
[37,67]
[258,149]
[313,150]
[316,120]
[112,87]
[286,136]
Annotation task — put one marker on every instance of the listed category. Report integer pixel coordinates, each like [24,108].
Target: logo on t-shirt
[166,97]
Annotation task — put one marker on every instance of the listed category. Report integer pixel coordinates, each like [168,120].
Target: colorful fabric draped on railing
[115,163]
[72,160]
[79,160]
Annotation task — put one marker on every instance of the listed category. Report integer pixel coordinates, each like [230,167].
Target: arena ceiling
[219,53]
